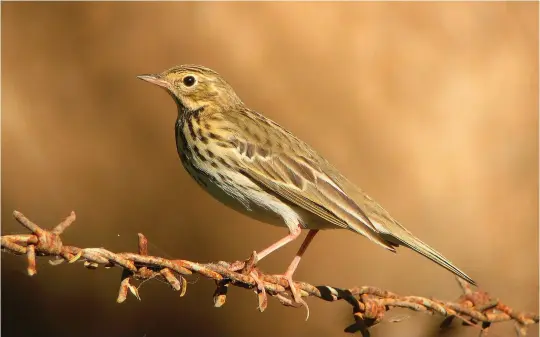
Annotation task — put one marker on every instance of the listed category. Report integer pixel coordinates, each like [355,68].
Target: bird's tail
[401,236]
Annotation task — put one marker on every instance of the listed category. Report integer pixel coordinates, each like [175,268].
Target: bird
[257,167]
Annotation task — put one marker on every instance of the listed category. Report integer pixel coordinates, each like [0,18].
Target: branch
[474,308]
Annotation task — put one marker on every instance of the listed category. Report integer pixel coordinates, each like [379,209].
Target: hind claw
[296,300]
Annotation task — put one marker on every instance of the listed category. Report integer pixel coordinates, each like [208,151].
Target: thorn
[122,292]
[170,278]
[27,223]
[220,294]
[76,257]
[143,244]
[465,287]
[183,286]
[61,227]
[31,255]
[134,291]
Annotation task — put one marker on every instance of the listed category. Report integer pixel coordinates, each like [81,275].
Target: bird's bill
[154,79]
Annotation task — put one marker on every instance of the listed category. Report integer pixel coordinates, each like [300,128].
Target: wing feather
[294,197]
[301,183]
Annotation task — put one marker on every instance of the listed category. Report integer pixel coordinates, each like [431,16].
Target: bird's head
[195,87]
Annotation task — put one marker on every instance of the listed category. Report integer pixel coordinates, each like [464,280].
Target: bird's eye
[189,81]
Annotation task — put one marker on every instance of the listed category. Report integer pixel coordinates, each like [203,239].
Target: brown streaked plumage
[257,167]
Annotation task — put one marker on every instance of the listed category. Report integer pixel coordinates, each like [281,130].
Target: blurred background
[432,108]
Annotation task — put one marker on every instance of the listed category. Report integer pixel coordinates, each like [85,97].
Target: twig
[369,303]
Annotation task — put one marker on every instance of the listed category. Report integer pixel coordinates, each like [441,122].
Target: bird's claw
[296,300]
[245,267]
[261,291]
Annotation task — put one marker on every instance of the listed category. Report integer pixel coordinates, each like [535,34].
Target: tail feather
[405,238]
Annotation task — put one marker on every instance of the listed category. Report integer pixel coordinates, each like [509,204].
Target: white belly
[247,198]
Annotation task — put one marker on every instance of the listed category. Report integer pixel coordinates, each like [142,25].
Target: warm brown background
[432,108]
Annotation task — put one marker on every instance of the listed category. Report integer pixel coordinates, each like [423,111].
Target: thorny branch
[369,303]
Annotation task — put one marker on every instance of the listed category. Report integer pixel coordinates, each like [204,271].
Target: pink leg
[280,243]
[294,264]
[294,233]
[301,251]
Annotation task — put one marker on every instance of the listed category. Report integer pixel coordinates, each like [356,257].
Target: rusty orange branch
[474,307]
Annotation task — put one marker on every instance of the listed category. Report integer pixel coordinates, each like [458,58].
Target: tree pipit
[254,165]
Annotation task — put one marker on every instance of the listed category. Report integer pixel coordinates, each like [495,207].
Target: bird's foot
[245,267]
[261,291]
[297,300]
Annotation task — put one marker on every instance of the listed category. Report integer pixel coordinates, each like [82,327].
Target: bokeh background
[431,107]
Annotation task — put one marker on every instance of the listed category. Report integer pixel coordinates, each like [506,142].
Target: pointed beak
[154,79]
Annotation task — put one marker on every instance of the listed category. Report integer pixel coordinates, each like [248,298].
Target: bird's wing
[297,176]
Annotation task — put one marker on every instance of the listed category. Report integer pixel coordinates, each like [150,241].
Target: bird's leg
[247,267]
[294,264]
[293,234]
